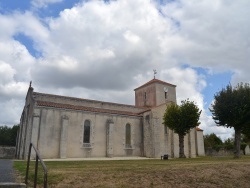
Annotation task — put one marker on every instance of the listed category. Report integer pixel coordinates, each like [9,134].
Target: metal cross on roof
[155,72]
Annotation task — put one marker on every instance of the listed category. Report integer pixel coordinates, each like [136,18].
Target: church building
[68,127]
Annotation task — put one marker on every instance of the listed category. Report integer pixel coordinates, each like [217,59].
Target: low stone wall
[247,150]
[221,152]
[224,152]
[12,185]
[7,152]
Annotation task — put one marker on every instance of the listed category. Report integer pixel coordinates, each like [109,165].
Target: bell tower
[154,93]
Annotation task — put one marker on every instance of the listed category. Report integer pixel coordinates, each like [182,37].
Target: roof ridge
[83,99]
[198,129]
[154,80]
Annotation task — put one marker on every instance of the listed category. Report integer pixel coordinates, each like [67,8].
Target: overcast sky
[104,49]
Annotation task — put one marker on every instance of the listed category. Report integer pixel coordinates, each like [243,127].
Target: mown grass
[195,172]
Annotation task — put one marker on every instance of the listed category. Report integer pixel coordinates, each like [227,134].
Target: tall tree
[181,119]
[231,108]
[8,135]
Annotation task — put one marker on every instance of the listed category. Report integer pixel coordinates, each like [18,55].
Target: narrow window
[128,135]
[166,92]
[145,95]
[86,134]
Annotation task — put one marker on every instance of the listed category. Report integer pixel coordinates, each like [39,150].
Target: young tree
[231,108]
[181,119]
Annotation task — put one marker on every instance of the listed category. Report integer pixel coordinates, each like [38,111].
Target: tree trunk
[237,139]
[181,146]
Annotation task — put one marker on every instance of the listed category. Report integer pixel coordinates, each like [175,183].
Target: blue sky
[104,49]
[215,83]
[52,9]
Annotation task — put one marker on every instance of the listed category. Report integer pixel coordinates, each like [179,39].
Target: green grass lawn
[195,172]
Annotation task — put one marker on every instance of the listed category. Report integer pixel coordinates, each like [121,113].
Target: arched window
[128,135]
[86,133]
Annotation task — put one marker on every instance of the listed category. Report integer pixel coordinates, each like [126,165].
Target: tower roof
[155,81]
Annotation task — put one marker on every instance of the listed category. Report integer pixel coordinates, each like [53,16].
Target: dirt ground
[202,172]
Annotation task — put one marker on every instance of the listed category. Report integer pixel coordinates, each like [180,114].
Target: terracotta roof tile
[84,108]
[82,99]
[154,81]
[198,129]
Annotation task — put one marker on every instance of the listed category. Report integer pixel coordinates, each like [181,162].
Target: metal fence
[36,168]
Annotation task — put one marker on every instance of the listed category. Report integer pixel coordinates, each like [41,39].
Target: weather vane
[154,73]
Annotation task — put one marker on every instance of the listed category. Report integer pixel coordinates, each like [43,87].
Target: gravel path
[6,171]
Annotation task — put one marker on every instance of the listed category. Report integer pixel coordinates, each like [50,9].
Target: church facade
[67,127]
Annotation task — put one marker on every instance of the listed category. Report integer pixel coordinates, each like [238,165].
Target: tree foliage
[229,143]
[246,138]
[8,135]
[212,141]
[181,119]
[231,108]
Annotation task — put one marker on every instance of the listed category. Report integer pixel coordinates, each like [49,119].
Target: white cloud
[241,75]
[215,33]
[62,63]
[6,72]
[9,115]
[105,43]
[44,3]
[13,90]
[131,37]
[189,83]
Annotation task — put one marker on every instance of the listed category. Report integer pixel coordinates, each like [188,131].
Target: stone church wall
[148,135]
[160,136]
[190,144]
[193,144]
[200,144]
[59,134]
[175,145]
[160,93]
[145,96]
[157,133]
[50,134]
[24,133]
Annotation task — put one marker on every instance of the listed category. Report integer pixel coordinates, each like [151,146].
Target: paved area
[6,171]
